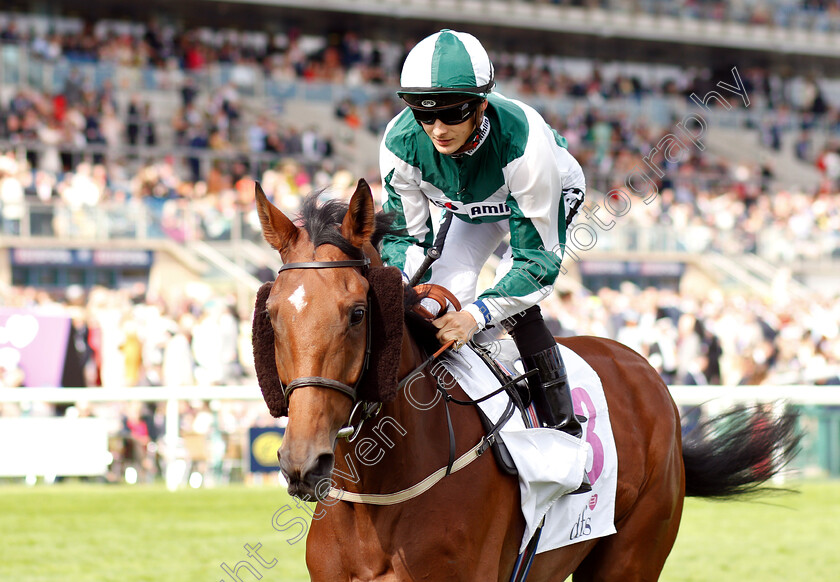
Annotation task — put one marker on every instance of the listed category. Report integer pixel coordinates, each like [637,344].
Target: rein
[413,491]
[454,465]
[371,409]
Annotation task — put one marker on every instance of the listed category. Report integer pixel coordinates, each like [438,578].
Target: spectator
[110,127]
[11,195]
[178,360]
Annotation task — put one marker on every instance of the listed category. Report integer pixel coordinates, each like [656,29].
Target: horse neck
[398,438]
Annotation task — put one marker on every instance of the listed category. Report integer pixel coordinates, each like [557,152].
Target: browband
[326,264]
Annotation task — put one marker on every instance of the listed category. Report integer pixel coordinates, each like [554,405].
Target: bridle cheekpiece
[349,391]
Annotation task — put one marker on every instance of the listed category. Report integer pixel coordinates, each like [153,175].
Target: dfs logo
[583,525]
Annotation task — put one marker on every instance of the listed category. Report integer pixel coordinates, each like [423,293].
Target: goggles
[454,115]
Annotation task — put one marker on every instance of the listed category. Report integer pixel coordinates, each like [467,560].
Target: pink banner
[35,342]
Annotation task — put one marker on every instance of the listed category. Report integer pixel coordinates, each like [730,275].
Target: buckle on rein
[371,409]
[368,410]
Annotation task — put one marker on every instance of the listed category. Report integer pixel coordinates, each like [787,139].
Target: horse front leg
[345,546]
[463,538]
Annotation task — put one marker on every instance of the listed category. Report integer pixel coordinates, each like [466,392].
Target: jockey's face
[448,139]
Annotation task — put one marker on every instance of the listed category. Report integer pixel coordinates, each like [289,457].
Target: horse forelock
[322,221]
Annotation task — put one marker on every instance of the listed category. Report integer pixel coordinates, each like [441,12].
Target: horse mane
[321,220]
[420,328]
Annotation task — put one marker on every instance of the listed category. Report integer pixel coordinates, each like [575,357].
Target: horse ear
[359,221]
[277,229]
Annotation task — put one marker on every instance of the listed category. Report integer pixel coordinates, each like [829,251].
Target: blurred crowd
[189,335]
[105,201]
[720,207]
[350,59]
[712,338]
[56,131]
[730,204]
[346,58]
[84,112]
[818,15]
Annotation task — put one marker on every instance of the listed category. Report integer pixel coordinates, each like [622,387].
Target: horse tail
[735,453]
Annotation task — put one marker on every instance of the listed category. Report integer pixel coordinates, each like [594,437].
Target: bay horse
[331,332]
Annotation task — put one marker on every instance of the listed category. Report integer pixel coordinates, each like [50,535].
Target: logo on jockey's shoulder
[489,209]
[446,204]
[575,193]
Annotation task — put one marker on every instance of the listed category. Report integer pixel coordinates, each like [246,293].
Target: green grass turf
[78,532]
[786,537]
[101,533]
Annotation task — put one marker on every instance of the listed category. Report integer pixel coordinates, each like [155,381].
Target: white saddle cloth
[551,462]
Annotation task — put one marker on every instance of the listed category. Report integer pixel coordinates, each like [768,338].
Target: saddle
[500,356]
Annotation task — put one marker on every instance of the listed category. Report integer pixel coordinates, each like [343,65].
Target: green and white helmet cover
[447,62]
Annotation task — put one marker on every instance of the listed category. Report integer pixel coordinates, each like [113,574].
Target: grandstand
[132,135]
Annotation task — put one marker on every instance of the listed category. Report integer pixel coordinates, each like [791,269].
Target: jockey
[496,165]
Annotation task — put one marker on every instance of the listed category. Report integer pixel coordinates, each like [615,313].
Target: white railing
[683,395]
[172,396]
[800,394]
[716,398]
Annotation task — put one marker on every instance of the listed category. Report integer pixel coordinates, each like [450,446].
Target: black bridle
[349,391]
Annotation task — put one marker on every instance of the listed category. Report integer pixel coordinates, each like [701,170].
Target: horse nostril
[311,478]
[323,465]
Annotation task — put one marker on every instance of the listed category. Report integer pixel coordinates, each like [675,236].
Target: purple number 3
[583,405]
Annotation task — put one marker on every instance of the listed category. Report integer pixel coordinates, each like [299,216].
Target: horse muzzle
[308,479]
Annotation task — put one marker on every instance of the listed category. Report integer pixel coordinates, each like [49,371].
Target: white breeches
[465,252]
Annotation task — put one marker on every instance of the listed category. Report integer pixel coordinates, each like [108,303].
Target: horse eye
[357,316]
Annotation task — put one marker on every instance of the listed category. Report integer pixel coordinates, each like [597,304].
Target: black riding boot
[550,391]
[549,388]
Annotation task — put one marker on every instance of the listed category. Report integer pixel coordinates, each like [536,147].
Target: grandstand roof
[509,25]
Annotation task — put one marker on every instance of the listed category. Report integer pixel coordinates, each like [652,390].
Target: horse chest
[437,541]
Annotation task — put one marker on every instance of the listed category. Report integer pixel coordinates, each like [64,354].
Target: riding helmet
[444,69]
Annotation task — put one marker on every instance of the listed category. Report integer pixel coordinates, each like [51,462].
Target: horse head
[321,310]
